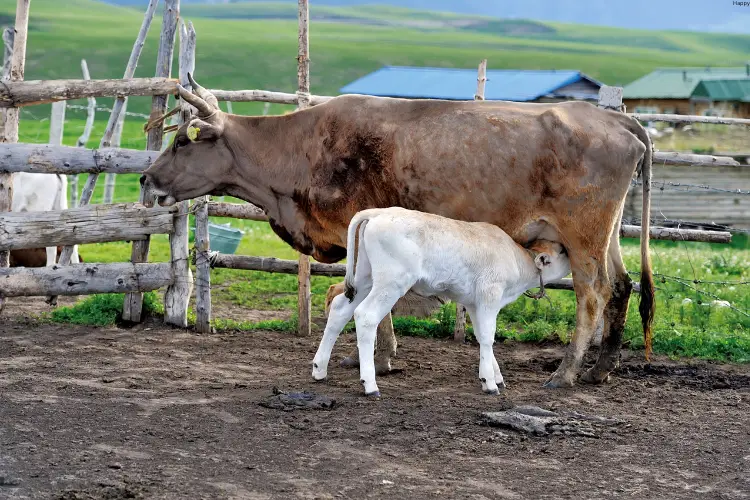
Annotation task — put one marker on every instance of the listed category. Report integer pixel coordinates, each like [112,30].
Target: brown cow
[531,169]
[33,257]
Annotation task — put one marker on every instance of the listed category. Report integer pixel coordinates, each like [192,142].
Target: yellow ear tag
[192,133]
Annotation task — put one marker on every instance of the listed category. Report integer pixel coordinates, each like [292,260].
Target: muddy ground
[154,412]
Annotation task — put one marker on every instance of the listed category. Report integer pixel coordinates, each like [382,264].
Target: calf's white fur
[474,263]
[40,193]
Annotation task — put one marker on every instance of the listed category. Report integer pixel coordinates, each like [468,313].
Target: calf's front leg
[485,323]
[340,313]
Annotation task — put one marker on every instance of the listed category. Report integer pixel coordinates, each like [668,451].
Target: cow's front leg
[385,348]
[592,291]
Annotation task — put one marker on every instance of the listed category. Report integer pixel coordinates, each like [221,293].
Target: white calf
[40,193]
[473,263]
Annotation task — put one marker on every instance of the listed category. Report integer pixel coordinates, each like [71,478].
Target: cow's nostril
[143,180]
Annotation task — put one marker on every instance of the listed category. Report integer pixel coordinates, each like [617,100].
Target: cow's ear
[542,260]
[199,130]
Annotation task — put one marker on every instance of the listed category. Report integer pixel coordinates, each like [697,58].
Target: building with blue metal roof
[461,84]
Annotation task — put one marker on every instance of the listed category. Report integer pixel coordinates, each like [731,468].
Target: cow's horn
[203,93]
[202,106]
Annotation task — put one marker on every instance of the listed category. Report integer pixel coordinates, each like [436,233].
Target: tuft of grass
[102,310]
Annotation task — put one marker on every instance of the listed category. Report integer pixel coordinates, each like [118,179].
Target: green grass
[246,53]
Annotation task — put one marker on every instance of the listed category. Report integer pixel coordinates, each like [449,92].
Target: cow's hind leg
[592,291]
[615,314]
[385,348]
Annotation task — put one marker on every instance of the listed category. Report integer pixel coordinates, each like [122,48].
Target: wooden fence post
[133,306]
[202,267]
[84,138]
[110,178]
[459,330]
[57,123]
[303,96]
[10,129]
[177,297]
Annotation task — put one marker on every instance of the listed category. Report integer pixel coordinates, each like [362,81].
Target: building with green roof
[710,90]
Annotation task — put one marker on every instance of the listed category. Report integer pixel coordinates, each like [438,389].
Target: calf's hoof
[595,376]
[373,394]
[493,392]
[557,381]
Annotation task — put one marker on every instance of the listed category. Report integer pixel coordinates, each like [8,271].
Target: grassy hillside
[260,53]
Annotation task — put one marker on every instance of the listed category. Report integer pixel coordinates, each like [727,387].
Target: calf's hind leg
[376,306]
[485,324]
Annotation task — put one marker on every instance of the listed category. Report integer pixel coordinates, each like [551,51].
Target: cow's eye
[180,141]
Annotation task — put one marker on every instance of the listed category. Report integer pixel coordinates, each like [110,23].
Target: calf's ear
[542,260]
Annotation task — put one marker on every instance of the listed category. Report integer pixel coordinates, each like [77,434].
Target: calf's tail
[353,236]
[648,302]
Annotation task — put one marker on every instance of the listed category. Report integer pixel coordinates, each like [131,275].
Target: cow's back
[505,163]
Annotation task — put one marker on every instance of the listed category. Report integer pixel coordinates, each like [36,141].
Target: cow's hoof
[493,392]
[558,382]
[383,369]
[349,362]
[373,394]
[319,378]
[595,376]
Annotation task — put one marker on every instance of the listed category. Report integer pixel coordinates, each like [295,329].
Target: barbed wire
[108,110]
[688,188]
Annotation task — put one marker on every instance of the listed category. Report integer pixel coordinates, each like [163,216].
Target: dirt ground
[154,412]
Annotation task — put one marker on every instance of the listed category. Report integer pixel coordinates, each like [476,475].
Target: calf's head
[199,160]
[551,259]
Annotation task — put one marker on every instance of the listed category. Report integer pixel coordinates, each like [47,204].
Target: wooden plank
[177,296]
[674,234]
[674,158]
[33,92]
[658,117]
[274,265]
[47,159]
[133,305]
[246,211]
[264,96]
[80,279]
[10,130]
[202,267]
[86,224]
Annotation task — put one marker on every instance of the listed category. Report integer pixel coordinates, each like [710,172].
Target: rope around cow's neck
[541,293]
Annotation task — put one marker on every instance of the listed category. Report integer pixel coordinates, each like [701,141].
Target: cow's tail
[648,302]
[354,235]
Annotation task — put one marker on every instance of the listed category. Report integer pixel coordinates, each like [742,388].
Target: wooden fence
[133,222]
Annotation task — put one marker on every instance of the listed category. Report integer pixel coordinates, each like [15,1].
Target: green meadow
[243,46]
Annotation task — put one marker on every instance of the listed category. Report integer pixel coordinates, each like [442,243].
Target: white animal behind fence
[474,263]
[39,193]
